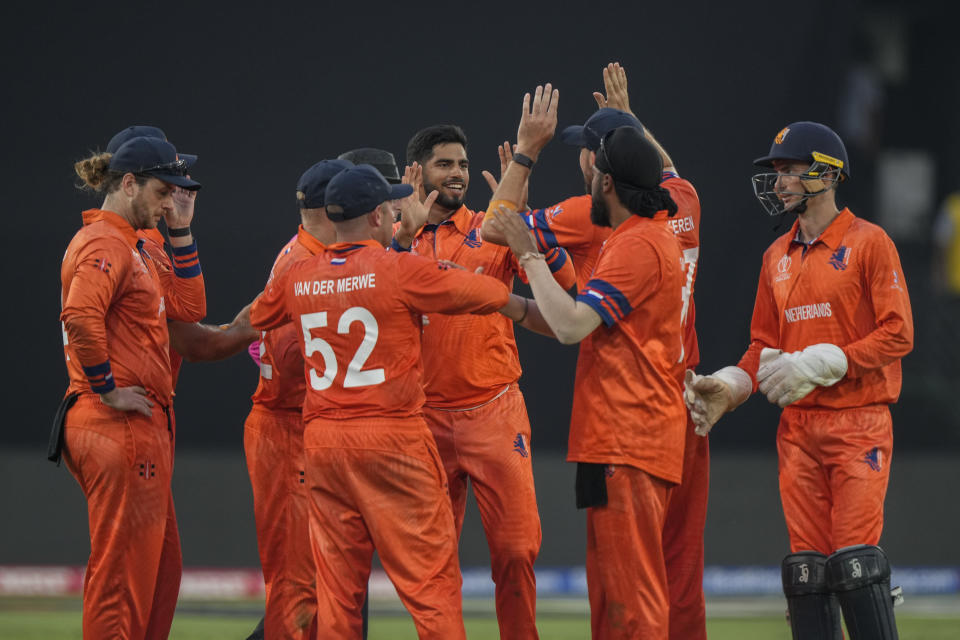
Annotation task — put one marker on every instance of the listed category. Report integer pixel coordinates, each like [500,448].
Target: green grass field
[35,619]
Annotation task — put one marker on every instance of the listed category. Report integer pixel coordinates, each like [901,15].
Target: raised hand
[128,399]
[413,213]
[505,151]
[538,121]
[515,231]
[183,205]
[615,84]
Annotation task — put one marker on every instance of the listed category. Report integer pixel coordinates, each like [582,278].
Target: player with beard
[116,427]
[474,406]
[626,427]
[568,224]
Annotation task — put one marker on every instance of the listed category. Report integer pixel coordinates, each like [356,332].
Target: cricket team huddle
[389,380]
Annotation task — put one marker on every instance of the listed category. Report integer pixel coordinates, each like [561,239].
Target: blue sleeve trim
[185,251]
[537,221]
[100,377]
[187,272]
[597,305]
[395,246]
[556,258]
[599,293]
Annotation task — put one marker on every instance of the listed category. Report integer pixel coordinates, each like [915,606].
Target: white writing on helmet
[808,312]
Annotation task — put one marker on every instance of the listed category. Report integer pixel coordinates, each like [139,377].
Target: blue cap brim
[573,135]
[189,158]
[398,191]
[177,180]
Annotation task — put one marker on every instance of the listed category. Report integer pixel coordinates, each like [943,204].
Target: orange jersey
[114,309]
[282,383]
[845,288]
[568,225]
[469,359]
[359,308]
[193,306]
[627,404]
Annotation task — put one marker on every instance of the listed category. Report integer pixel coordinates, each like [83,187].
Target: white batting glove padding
[709,397]
[791,376]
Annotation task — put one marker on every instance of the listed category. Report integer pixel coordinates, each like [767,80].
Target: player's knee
[860,576]
[813,610]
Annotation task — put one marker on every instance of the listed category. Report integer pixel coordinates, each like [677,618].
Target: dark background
[261,94]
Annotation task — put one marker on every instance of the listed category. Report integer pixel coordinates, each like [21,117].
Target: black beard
[599,213]
[443,199]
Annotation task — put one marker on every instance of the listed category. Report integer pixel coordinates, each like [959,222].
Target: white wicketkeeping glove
[791,376]
[709,397]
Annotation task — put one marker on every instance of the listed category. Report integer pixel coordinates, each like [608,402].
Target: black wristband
[522,160]
[526,310]
[178,233]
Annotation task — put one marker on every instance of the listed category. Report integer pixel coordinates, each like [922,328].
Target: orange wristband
[495,206]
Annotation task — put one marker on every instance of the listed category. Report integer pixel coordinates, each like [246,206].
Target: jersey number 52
[356,376]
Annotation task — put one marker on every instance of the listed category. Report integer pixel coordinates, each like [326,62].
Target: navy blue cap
[598,125]
[144,131]
[313,183]
[359,190]
[808,142]
[152,157]
[382,161]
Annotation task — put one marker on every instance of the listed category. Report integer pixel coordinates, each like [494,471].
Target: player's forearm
[509,193]
[206,343]
[569,320]
[664,156]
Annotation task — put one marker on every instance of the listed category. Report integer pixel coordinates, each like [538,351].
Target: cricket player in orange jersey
[372,468]
[626,432]
[474,406]
[568,224]
[273,437]
[184,251]
[117,430]
[831,322]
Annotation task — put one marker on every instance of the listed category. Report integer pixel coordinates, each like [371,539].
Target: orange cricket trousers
[490,446]
[378,483]
[273,443]
[122,462]
[834,468]
[167,589]
[626,575]
[683,540]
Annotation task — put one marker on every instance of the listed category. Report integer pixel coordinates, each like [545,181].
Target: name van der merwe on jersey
[340,285]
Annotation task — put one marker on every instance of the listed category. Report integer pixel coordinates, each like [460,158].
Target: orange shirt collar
[313,245]
[832,236]
[630,223]
[346,246]
[116,220]
[460,218]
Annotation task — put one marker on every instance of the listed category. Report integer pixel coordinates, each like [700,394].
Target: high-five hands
[413,213]
[506,151]
[615,84]
[538,121]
